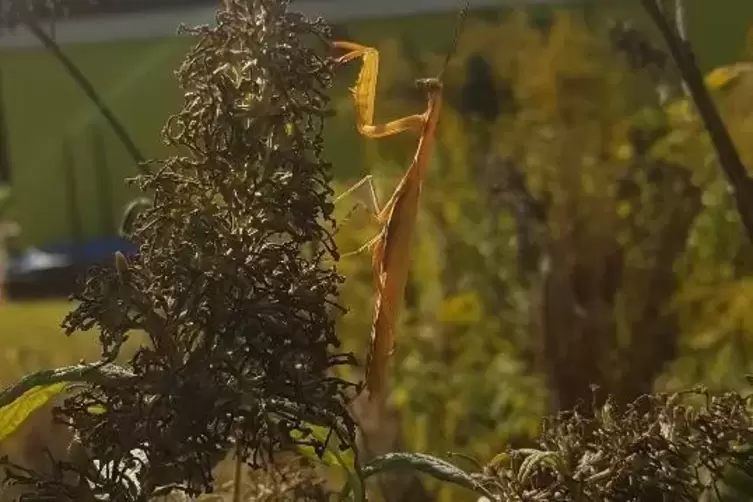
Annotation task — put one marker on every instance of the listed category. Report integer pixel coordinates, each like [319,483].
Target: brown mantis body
[391,249]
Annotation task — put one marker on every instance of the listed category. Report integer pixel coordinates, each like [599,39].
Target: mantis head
[429,85]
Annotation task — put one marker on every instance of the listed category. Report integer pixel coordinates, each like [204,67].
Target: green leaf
[534,459]
[15,413]
[97,409]
[333,456]
[433,466]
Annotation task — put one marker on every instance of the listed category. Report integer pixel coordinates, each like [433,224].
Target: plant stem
[682,32]
[96,373]
[238,473]
[729,158]
[88,89]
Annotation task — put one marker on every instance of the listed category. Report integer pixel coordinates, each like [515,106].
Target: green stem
[94,373]
[88,89]
[237,485]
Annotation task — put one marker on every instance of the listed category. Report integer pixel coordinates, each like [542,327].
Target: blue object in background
[52,271]
[92,251]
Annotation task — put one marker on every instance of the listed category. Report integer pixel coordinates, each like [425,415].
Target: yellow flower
[727,77]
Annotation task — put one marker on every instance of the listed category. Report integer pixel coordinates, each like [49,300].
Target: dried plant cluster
[665,447]
[234,283]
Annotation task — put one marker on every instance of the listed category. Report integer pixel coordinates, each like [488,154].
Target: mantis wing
[391,265]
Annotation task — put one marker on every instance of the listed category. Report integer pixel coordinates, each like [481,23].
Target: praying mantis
[391,248]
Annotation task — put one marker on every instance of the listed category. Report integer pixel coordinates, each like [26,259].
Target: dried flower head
[664,447]
[234,284]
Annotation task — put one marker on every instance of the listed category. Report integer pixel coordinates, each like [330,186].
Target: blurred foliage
[574,229]
[715,292]
[42,342]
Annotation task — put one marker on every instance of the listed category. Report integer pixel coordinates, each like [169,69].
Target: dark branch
[88,89]
[728,156]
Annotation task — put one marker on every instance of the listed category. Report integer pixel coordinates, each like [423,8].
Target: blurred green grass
[31,339]
[45,107]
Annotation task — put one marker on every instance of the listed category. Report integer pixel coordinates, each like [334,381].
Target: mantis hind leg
[375,210]
[363,248]
[366,180]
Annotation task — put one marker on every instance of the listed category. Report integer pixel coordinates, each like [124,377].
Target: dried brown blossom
[234,284]
[663,447]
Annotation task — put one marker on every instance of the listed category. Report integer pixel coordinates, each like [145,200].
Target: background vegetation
[558,247]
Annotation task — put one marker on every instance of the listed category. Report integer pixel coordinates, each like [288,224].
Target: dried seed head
[234,284]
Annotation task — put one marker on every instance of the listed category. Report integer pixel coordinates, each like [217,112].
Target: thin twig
[88,89]
[729,158]
[682,32]
[237,484]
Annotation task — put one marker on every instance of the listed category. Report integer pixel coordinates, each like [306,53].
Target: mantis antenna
[459,25]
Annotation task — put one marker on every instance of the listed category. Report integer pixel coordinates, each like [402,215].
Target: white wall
[165,22]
